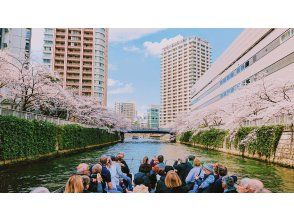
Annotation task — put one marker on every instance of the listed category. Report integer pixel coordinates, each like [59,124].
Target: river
[55,172]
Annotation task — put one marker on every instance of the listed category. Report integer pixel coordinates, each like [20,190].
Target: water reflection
[54,173]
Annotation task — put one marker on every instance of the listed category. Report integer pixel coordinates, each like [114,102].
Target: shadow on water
[54,173]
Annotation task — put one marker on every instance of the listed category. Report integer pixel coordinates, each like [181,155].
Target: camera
[93,176]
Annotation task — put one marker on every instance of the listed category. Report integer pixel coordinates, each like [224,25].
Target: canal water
[54,173]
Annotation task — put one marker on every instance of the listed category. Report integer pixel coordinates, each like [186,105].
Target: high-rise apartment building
[16,41]
[256,54]
[153,116]
[127,109]
[48,43]
[80,55]
[182,64]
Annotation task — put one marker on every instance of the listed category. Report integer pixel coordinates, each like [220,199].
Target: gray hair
[40,190]
[254,185]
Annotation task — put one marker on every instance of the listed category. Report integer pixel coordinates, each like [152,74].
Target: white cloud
[112,67]
[118,87]
[131,49]
[155,48]
[125,89]
[127,34]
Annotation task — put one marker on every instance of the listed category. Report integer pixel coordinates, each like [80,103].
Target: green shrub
[265,143]
[185,137]
[21,138]
[210,138]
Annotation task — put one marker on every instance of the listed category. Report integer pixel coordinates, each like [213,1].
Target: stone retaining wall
[284,153]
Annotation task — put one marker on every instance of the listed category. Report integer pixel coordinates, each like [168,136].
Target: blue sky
[134,62]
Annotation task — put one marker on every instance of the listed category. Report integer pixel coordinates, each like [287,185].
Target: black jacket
[125,169]
[183,170]
[161,187]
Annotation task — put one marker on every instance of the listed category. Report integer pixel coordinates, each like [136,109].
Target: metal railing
[35,116]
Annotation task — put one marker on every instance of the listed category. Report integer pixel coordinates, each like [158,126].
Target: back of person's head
[191,158]
[161,172]
[197,162]
[140,189]
[160,158]
[83,168]
[103,160]
[113,158]
[172,179]
[74,184]
[222,170]
[86,181]
[247,185]
[40,190]
[97,168]
[168,168]
[227,182]
[145,160]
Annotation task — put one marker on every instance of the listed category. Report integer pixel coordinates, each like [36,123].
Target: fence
[286,120]
[39,117]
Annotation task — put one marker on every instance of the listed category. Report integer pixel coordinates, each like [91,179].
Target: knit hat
[208,167]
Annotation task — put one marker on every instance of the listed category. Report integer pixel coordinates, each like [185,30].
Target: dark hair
[222,170]
[86,181]
[168,168]
[161,172]
[103,160]
[160,159]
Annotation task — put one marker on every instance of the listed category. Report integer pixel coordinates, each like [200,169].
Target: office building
[153,116]
[80,56]
[127,109]
[16,41]
[182,64]
[254,55]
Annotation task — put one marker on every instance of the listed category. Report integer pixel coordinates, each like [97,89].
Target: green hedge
[21,138]
[75,136]
[266,142]
[210,138]
[185,137]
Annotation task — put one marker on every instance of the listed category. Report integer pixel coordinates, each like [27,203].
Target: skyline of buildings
[255,54]
[16,41]
[182,64]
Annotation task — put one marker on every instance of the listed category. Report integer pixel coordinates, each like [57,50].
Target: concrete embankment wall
[284,154]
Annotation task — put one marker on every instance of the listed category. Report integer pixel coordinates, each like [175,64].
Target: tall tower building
[127,109]
[182,64]
[16,41]
[80,55]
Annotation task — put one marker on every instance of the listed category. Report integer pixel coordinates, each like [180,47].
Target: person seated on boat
[40,190]
[74,184]
[117,174]
[106,176]
[205,184]
[161,164]
[124,168]
[154,161]
[86,183]
[228,184]
[96,179]
[174,183]
[145,167]
[183,167]
[83,169]
[195,171]
[191,159]
[247,185]
[217,186]
[160,185]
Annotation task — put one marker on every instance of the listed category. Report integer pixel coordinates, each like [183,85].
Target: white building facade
[16,41]
[182,64]
[126,109]
[255,54]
